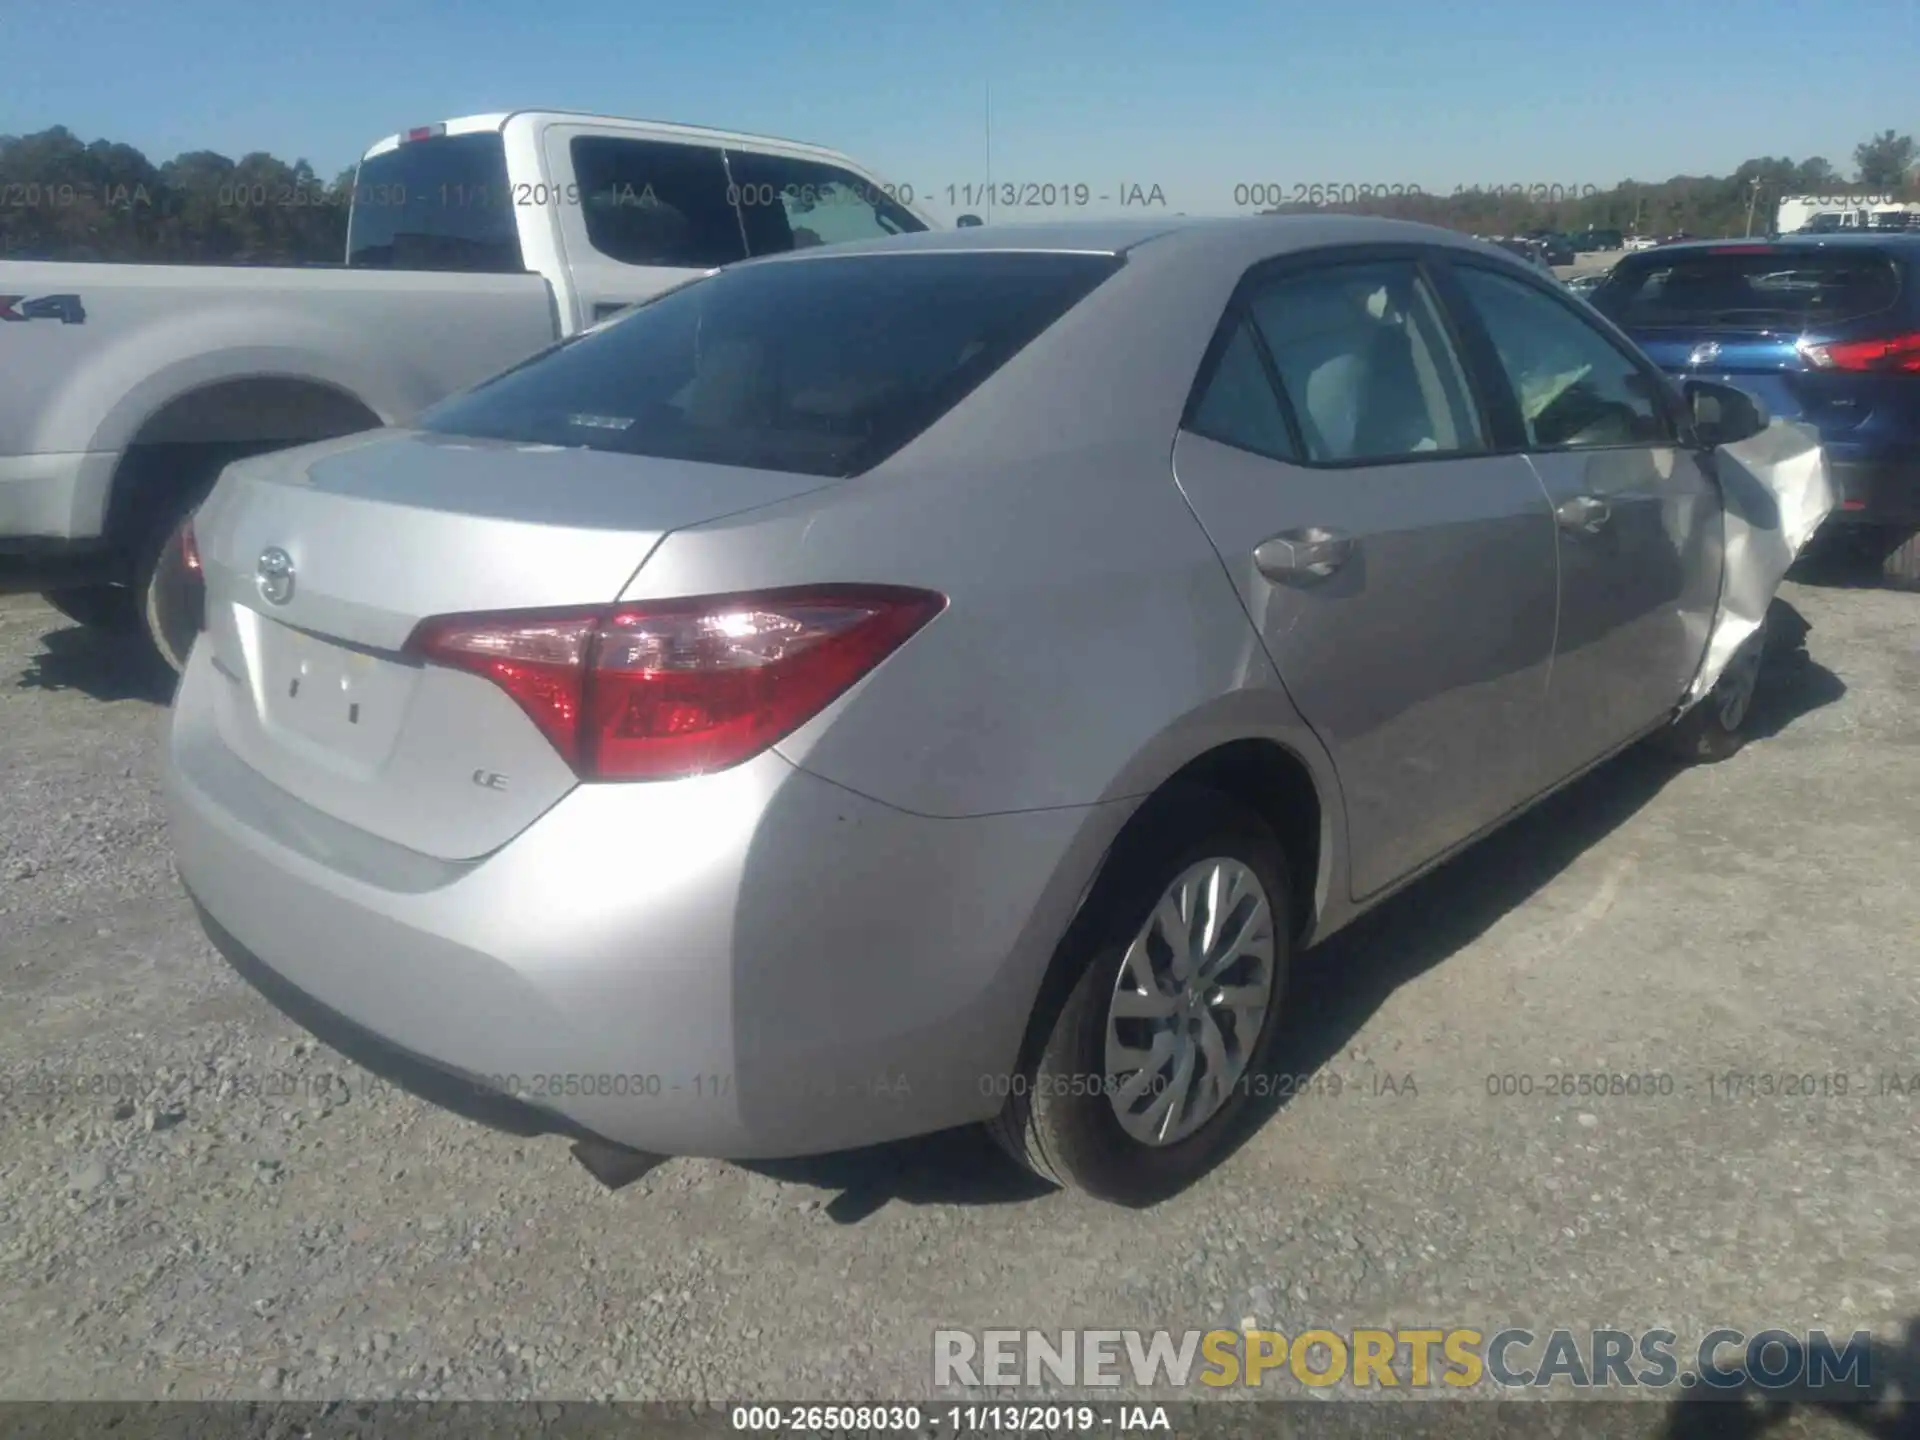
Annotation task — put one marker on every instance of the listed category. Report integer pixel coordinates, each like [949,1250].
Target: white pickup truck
[471,245]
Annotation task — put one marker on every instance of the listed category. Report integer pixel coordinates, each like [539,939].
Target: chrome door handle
[1588,513]
[1310,551]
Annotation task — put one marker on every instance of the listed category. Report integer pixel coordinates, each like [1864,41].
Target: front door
[1400,574]
[1637,511]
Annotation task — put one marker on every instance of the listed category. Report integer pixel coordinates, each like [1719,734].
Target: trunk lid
[319,563]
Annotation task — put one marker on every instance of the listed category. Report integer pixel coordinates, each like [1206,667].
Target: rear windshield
[820,367]
[441,204]
[1702,290]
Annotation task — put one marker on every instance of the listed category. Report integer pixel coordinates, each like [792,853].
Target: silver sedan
[935,681]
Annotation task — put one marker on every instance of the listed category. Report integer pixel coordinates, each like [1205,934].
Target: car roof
[1240,240]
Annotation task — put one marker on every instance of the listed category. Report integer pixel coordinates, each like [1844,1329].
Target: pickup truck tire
[112,608]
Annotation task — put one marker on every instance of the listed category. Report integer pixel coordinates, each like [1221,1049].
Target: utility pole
[989,152]
[1753,199]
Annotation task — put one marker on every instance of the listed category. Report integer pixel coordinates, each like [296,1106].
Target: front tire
[1714,729]
[1134,1083]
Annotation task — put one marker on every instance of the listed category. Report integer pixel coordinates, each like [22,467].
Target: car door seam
[1559,566]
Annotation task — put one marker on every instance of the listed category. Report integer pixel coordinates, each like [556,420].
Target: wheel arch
[190,436]
[1280,784]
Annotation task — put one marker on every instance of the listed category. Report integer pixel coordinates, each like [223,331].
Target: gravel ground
[240,1212]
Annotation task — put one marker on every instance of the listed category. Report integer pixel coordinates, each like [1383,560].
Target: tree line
[1706,205]
[62,198]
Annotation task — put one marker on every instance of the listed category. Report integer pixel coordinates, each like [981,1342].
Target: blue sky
[1196,98]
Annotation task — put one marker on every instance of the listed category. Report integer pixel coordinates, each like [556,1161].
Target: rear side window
[440,204]
[650,202]
[818,367]
[1239,406]
[1805,289]
[1364,357]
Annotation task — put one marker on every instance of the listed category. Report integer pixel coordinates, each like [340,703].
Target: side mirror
[967,222]
[1722,414]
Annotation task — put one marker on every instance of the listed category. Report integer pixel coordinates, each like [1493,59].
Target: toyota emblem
[275,574]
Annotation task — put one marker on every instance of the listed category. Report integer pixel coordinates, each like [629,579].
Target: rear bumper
[1876,492]
[54,497]
[751,964]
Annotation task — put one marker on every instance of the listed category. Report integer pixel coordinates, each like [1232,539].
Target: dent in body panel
[1638,593]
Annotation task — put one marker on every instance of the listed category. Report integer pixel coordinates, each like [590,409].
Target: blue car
[1820,328]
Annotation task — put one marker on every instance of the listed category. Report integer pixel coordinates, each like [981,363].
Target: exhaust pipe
[615,1166]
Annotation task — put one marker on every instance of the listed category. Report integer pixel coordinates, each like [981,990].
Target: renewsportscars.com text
[1455,1358]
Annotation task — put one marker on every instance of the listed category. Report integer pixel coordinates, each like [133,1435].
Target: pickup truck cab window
[439,204]
[654,202]
[790,204]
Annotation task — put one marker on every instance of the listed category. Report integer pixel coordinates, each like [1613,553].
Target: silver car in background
[935,681]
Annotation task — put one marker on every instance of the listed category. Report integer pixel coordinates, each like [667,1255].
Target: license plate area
[341,699]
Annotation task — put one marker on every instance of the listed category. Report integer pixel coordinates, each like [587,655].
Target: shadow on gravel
[1337,986]
[953,1167]
[1886,1407]
[98,663]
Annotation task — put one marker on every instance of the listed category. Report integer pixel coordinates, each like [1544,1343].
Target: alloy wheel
[1189,1002]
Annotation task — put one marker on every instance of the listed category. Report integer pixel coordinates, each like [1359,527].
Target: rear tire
[1118,989]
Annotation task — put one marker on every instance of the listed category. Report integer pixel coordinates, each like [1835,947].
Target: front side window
[790,204]
[1574,386]
[1364,357]
[651,202]
[817,367]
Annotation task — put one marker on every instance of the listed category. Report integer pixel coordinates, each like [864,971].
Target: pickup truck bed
[236,358]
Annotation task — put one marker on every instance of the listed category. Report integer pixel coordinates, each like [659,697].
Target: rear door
[1637,512]
[638,215]
[1400,573]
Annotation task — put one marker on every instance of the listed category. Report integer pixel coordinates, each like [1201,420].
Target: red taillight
[426,132]
[190,551]
[683,687]
[1900,353]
